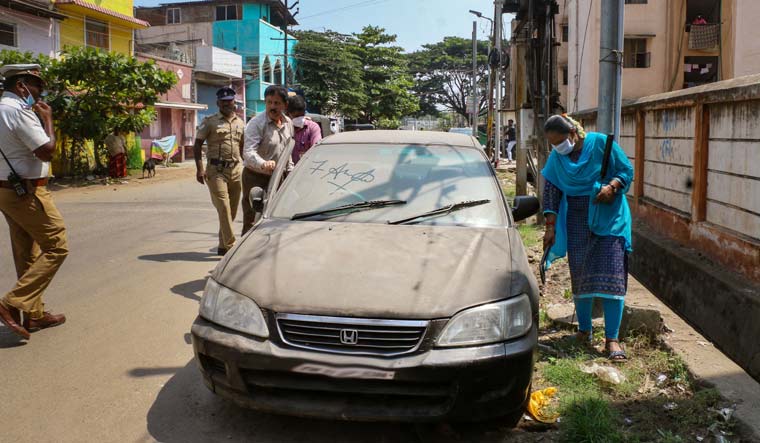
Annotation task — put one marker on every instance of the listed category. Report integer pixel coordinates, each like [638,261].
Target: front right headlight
[491,323]
[227,308]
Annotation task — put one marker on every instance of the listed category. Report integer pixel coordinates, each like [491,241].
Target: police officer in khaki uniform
[223,134]
[38,235]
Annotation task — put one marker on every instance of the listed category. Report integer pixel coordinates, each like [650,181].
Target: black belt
[35,182]
[223,163]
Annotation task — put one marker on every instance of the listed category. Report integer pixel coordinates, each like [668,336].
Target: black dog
[150,166]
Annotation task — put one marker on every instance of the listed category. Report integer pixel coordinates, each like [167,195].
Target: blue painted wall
[252,38]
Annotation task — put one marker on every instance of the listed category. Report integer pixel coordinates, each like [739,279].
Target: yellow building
[106,24]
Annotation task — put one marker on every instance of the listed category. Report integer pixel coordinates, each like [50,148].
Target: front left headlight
[226,307]
[491,323]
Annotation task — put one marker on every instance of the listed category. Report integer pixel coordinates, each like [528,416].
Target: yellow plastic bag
[539,400]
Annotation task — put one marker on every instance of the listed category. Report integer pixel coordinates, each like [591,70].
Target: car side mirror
[524,207]
[257,199]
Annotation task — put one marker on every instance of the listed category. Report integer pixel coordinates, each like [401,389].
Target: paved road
[121,368]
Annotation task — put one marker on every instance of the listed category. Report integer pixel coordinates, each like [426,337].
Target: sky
[415,22]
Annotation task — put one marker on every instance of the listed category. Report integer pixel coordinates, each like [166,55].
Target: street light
[478,14]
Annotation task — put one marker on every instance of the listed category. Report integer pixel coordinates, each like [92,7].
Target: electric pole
[475,107]
[610,67]
[285,31]
[498,7]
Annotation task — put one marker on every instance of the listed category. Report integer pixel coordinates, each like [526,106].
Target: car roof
[401,138]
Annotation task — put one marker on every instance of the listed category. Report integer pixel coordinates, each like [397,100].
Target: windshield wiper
[351,208]
[441,211]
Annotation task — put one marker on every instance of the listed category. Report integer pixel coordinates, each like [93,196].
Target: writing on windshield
[340,176]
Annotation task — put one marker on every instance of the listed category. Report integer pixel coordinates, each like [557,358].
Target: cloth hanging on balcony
[704,36]
[166,145]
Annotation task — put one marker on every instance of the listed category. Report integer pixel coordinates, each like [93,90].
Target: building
[28,25]
[109,26]
[251,29]
[663,49]
[176,110]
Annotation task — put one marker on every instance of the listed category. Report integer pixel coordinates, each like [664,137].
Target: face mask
[299,122]
[564,148]
[30,101]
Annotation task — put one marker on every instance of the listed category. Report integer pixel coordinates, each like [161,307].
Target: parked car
[386,280]
[465,131]
[348,127]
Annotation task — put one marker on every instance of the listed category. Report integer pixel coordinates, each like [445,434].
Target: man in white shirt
[267,137]
[38,235]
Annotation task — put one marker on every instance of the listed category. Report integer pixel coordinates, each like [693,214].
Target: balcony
[215,62]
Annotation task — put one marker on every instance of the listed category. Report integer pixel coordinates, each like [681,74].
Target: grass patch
[532,235]
[591,420]
[508,185]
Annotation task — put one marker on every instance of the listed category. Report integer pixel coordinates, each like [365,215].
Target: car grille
[344,335]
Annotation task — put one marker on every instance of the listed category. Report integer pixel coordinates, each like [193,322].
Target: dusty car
[386,280]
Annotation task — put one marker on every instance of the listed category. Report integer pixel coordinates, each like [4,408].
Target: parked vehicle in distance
[348,127]
[465,131]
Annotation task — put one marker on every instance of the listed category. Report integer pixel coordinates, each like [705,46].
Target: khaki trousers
[225,187]
[38,239]
[251,180]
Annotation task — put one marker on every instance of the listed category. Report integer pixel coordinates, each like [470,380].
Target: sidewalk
[177,171]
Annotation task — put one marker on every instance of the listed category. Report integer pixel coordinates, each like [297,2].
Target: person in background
[267,136]
[588,219]
[307,132]
[117,154]
[699,20]
[511,140]
[38,234]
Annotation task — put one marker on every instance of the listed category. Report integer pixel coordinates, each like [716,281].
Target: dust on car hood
[371,270]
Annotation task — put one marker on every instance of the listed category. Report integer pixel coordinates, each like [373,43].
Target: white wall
[747,38]
[38,35]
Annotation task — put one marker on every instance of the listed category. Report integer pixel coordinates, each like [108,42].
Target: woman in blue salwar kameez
[588,219]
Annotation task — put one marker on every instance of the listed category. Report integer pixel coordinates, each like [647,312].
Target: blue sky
[415,22]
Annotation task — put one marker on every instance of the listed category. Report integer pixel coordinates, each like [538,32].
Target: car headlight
[226,307]
[491,323]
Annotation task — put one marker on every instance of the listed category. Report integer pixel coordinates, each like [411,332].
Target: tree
[443,75]
[387,83]
[94,92]
[330,75]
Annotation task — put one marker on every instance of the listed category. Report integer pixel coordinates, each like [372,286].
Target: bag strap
[607,154]
[9,163]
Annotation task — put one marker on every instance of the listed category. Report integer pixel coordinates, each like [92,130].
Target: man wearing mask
[38,235]
[267,137]
[223,133]
[307,132]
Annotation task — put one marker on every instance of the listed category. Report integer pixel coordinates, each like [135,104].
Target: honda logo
[349,336]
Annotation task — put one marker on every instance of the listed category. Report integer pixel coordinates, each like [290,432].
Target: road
[121,369]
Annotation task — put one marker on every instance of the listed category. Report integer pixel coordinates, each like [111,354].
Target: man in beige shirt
[267,137]
[223,134]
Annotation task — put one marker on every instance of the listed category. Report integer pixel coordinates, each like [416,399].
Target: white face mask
[564,148]
[299,122]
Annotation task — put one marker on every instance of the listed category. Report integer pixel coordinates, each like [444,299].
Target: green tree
[94,92]
[387,83]
[330,75]
[443,75]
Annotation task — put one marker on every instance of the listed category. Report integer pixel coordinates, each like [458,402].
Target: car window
[426,177]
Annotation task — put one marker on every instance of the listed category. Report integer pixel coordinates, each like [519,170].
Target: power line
[355,5]
[583,50]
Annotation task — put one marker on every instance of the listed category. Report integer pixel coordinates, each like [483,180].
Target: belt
[35,182]
[223,163]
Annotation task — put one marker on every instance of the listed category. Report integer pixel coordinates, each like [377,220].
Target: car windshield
[423,178]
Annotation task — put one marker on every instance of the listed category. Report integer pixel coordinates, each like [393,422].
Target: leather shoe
[48,320]
[221,251]
[7,318]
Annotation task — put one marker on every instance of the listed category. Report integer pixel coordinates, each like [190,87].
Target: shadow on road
[8,339]
[192,289]
[186,411]
[149,372]
[181,256]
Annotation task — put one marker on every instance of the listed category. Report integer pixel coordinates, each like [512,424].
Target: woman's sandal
[616,356]
[584,338]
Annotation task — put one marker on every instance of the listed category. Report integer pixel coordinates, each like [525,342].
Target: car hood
[372,270]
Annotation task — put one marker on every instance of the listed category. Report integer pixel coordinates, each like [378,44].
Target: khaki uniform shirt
[21,133]
[116,144]
[222,136]
[264,141]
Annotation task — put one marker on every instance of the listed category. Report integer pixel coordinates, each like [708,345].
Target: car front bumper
[473,383]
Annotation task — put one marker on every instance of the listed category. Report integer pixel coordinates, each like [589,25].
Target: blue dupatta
[583,178]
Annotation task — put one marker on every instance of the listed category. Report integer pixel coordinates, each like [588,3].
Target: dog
[150,167]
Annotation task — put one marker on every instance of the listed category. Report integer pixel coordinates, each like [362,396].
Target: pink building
[176,110]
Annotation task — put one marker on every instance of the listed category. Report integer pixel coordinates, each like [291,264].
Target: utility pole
[475,107]
[610,67]
[285,31]
[498,7]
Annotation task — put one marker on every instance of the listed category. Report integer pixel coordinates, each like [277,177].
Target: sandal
[584,338]
[616,356]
